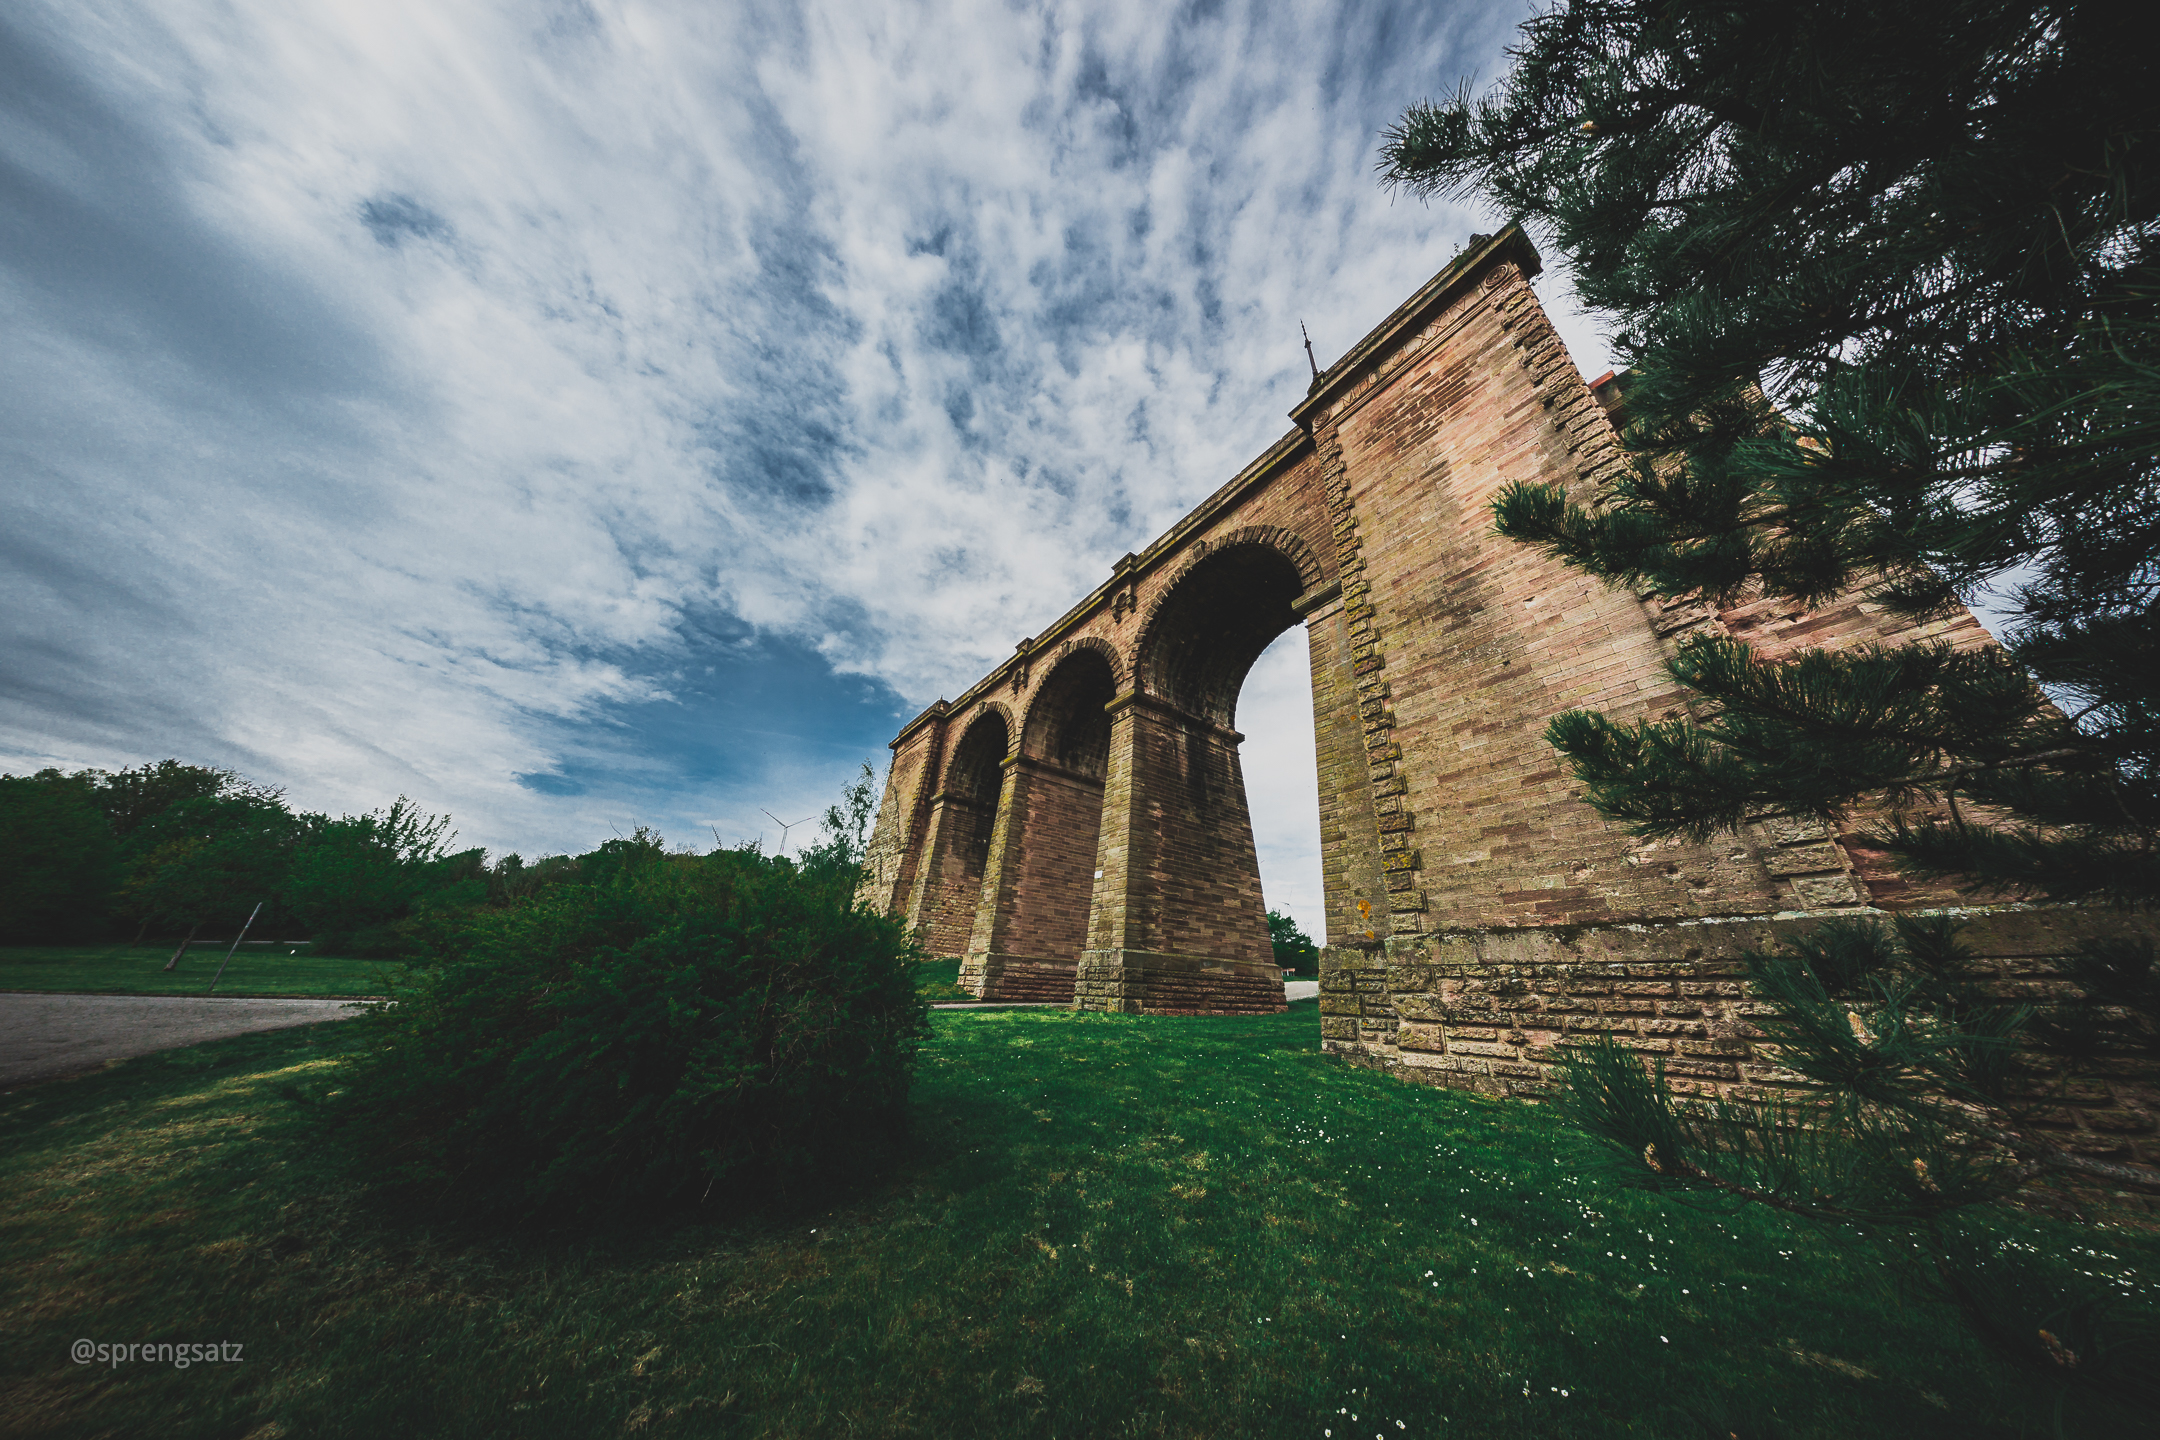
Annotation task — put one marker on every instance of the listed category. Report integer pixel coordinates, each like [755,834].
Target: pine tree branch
[1978,767]
[2039,1156]
[1674,1169]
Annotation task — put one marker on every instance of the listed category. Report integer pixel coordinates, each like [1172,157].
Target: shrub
[663,1029]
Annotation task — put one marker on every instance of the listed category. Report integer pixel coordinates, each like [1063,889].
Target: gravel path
[44,1036]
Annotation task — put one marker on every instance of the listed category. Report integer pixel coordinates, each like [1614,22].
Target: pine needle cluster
[1885,278]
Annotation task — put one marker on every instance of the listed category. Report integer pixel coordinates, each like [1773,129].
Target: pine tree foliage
[1885,277]
[1884,281]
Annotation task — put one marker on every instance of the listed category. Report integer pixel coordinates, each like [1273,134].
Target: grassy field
[1111,1226]
[140,970]
[258,970]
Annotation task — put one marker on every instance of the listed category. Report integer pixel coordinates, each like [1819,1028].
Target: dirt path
[46,1036]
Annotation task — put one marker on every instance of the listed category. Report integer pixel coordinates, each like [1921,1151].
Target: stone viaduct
[1074,826]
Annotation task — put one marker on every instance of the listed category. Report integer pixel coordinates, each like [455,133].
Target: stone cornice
[937,709]
[1434,295]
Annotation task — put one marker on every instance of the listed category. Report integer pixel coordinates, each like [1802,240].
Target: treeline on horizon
[172,850]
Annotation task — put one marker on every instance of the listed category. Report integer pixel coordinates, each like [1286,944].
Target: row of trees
[1294,949]
[176,850]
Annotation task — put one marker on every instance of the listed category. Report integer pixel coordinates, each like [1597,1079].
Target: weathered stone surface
[1824,892]
[1792,829]
[1804,859]
[1074,825]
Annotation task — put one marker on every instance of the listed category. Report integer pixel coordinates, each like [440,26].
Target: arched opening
[1211,628]
[1282,783]
[1048,872]
[1068,724]
[968,799]
[1202,641]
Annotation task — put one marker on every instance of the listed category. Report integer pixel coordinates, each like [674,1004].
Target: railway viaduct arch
[1074,825]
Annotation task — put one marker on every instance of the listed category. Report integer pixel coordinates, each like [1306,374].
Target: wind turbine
[785,825]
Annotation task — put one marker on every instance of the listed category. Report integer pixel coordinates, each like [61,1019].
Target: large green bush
[663,1029]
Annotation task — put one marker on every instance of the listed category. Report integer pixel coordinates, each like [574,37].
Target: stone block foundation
[1142,982]
[1489,1010]
[1017,978]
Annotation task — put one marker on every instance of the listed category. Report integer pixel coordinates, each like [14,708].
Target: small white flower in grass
[1661,1337]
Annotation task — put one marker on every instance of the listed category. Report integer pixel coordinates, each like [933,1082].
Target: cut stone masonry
[1074,826]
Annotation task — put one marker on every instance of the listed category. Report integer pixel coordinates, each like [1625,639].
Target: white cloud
[397,389]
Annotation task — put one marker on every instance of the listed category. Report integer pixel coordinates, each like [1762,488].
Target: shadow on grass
[938,981]
[1107,1225]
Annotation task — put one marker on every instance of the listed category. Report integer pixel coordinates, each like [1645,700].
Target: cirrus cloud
[580,414]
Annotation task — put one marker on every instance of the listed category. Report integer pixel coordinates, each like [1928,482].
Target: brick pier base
[1017,978]
[1148,982]
[1488,1010]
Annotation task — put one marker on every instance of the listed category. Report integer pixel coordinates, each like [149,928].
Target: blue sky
[576,415]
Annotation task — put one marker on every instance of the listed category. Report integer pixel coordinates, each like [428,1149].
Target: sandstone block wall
[1055,880]
[1439,654]
[1487,1010]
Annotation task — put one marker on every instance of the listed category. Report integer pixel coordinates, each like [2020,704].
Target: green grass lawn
[1111,1226]
[260,970]
[140,970]
[939,982]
